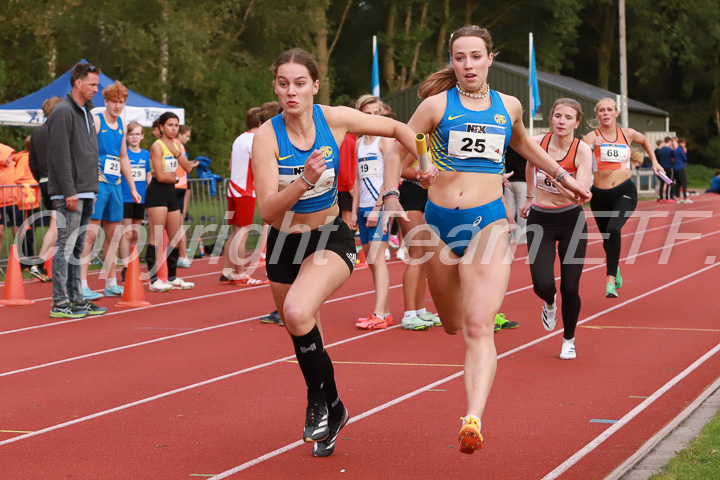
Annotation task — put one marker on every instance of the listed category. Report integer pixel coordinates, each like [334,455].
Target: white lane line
[359,417]
[347,297]
[636,255]
[597,441]
[162,339]
[612,429]
[684,221]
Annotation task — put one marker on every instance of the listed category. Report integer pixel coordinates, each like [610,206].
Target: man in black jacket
[72,184]
[38,163]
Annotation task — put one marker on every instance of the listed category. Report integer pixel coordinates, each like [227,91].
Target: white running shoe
[181,284]
[568,351]
[402,254]
[160,286]
[183,262]
[549,315]
[687,200]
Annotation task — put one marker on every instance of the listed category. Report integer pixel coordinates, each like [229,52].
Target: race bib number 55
[477,141]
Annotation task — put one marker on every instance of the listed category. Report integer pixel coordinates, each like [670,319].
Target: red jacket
[348,164]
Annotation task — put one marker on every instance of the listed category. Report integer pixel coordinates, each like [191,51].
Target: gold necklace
[486,87]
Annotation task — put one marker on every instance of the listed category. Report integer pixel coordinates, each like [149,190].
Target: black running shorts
[412,196]
[161,195]
[286,251]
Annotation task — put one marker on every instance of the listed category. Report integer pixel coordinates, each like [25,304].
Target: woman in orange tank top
[556,222]
[614,195]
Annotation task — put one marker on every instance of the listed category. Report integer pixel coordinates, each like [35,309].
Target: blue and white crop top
[109,144]
[291,163]
[471,141]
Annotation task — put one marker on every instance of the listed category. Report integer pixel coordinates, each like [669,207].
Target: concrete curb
[674,437]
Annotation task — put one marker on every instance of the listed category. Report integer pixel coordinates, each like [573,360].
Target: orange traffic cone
[133,294]
[48,263]
[162,268]
[14,292]
[361,260]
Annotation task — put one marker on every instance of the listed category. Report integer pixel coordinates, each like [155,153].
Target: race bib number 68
[614,152]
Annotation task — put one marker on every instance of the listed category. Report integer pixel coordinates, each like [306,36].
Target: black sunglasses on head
[87,68]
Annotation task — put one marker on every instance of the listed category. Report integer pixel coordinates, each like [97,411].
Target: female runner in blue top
[310,250]
[470,128]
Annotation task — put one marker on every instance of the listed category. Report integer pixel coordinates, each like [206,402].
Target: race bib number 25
[477,141]
[112,165]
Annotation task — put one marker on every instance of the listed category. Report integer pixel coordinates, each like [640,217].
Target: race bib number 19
[369,167]
[477,141]
[171,164]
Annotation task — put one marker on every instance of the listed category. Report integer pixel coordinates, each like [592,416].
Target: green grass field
[700,461]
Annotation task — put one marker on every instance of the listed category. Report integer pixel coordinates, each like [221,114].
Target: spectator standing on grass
[38,161]
[681,158]
[72,185]
[665,157]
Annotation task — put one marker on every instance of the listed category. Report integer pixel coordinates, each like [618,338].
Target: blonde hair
[133,125]
[606,99]
[637,157]
[445,78]
[366,100]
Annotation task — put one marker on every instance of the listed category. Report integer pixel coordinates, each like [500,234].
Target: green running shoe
[502,322]
[610,291]
[431,317]
[618,278]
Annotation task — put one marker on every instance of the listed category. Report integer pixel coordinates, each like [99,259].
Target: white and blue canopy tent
[27,111]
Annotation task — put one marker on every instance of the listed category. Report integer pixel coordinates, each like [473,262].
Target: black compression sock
[332,398]
[311,358]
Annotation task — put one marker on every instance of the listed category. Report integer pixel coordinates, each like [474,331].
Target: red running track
[195,386]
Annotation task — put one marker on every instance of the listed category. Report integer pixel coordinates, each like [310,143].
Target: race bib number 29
[477,141]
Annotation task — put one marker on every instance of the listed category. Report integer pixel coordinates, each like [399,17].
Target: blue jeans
[72,229]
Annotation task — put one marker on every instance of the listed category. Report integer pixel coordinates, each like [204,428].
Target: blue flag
[533,82]
[375,70]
